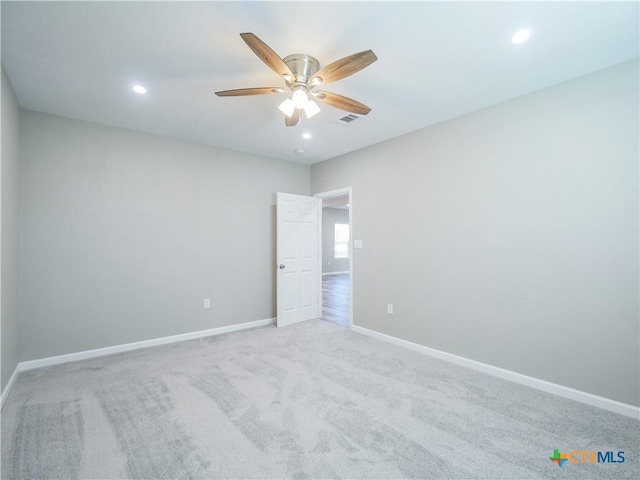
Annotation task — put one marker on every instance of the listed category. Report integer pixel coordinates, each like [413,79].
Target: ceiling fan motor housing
[302,66]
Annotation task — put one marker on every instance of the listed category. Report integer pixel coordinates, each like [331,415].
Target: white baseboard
[9,386]
[100,352]
[559,390]
[334,273]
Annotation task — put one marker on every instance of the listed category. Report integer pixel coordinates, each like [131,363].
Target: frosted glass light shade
[311,108]
[287,107]
[299,98]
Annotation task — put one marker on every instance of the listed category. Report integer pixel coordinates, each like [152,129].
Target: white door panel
[298,258]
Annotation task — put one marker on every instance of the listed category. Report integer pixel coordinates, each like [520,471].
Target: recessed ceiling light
[306,135]
[299,151]
[520,36]
[139,89]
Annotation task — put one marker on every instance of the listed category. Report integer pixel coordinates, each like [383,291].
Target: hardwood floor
[335,298]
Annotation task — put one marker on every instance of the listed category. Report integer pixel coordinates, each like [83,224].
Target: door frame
[326,195]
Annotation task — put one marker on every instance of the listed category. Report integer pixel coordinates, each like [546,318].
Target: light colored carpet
[313,400]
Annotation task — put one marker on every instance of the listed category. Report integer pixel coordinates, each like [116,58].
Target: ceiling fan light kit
[302,74]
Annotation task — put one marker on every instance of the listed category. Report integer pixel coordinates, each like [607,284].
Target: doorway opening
[337,256]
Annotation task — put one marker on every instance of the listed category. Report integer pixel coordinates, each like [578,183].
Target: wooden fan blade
[293,120]
[346,66]
[238,92]
[343,103]
[268,56]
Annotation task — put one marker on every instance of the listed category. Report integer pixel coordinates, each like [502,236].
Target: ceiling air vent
[348,119]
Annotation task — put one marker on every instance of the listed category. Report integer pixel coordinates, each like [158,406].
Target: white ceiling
[340,201]
[437,61]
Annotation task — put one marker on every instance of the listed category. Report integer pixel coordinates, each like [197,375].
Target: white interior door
[298,258]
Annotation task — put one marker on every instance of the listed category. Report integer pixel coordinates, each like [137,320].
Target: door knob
[281,266]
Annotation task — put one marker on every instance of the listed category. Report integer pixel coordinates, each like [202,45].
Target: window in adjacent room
[341,247]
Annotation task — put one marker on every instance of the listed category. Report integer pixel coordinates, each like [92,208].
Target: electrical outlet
[207,303]
[390,308]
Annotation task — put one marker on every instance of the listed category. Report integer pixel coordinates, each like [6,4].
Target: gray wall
[124,234]
[518,241]
[331,216]
[9,331]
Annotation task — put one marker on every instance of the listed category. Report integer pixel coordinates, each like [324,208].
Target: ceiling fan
[302,74]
